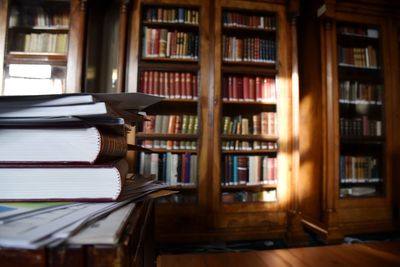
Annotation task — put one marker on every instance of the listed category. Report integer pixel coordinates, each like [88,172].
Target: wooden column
[123,20]
[295,235]
[76,46]
[330,133]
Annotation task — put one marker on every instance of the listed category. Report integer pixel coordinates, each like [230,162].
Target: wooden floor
[374,254]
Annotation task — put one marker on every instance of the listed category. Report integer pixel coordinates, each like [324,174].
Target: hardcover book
[60,144]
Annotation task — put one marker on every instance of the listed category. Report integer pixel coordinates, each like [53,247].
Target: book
[90,109]
[60,144]
[122,101]
[62,182]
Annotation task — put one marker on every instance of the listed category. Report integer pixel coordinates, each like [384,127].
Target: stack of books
[68,148]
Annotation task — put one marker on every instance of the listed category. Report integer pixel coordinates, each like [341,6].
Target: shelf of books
[36,47]
[169,67]
[249,137]
[361,111]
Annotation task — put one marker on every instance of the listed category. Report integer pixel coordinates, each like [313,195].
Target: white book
[62,182]
[59,144]
[168,171]
[174,169]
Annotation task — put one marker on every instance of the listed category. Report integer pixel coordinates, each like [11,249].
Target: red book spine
[173,43]
[151,83]
[157,43]
[177,86]
[161,83]
[182,81]
[246,89]
[143,78]
[195,86]
[171,85]
[156,83]
[188,87]
[240,93]
[258,86]
[252,88]
[166,84]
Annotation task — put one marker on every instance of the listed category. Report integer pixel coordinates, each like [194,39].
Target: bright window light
[30,71]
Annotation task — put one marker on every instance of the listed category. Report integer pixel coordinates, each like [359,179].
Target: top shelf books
[37,46]
[248,38]
[358,46]
[170,34]
[39,27]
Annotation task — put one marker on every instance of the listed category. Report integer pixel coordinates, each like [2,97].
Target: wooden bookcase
[256,204]
[213,207]
[347,164]
[167,57]
[45,35]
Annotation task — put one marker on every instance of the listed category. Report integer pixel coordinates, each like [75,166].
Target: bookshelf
[43,46]
[167,57]
[169,51]
[203,86]
[253,121]
[355,139]
[249,38]
[361,111]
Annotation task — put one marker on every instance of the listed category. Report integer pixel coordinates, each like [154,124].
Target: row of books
[173,169]
[236,19]
[171,124]
[172,15]
[38,17]
[360,127]
[249,170]
[249,197]
[359,31]
[41,42]
[359,169]
[365,57]
[248,88]
[248,49]
[180,85]
[262,123]
[237,145]
[359,190]
[170,144]
[165,43]
[354,92]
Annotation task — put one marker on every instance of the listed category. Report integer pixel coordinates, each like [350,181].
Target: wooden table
[377,254]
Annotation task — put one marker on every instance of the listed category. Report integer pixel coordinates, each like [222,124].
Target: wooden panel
[250,219]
